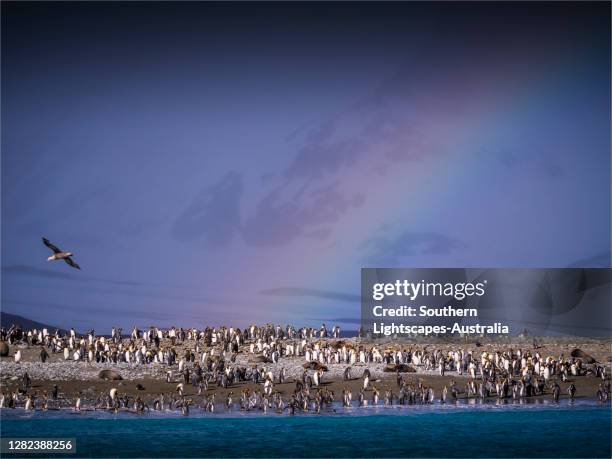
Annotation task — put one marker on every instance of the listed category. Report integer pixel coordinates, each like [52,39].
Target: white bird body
[60,254]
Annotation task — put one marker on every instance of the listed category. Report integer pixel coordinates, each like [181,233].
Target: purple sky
[232,163]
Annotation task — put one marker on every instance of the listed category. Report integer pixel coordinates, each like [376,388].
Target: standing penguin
[317,377]
[17,356]
[571,390]
[26,380]
[366,379]
[362,400]
[281,375]
[556,391]
[375,395]
[29,405]
[185,407]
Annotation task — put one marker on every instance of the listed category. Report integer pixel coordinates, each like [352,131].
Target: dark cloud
[319,158]
[540,165]
[142,315]
[23,270]
[311,292]
[72,314]
[279,220]
[316,188]
[319,173]
[385,251]
[137,289]
[214,214]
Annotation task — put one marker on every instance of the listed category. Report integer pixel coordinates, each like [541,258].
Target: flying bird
[59,255]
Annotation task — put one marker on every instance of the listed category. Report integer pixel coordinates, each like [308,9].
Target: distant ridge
[6,320]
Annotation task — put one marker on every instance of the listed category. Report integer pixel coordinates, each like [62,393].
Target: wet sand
[68,390]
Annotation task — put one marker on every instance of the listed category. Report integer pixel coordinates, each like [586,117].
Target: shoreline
[334,409]
[148,381]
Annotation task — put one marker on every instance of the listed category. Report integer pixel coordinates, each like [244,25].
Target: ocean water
[583,430]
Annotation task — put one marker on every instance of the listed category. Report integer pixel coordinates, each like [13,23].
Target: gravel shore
[82,377]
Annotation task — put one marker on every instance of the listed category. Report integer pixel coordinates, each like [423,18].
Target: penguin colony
[209,360]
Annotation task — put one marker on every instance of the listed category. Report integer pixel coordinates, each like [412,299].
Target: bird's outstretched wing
[71,263]
[51,246]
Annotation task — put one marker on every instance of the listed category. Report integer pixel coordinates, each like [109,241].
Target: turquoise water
[505,431]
